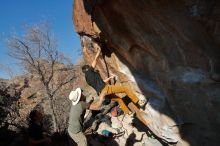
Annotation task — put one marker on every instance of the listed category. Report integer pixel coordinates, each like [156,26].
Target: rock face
[167,51]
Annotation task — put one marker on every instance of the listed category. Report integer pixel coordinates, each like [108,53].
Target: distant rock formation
[21,94]
[166,50]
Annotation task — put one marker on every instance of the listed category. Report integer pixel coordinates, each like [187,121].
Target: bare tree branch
[7,70]
[37,51]
[62,84]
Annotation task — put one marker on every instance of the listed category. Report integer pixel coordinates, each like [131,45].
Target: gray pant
[79,138]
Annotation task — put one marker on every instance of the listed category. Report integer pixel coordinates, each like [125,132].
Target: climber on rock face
[77,113]
[94,79]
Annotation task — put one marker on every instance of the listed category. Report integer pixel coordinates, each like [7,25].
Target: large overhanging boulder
[165,50]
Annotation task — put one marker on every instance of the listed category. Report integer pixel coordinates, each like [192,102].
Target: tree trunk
[55,122]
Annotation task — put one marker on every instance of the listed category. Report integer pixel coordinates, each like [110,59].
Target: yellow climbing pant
[112,89]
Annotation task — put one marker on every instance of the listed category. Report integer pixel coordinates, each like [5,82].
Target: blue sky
[14,14]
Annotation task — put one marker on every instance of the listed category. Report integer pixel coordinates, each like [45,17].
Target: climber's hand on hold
[96,46]
[98,49]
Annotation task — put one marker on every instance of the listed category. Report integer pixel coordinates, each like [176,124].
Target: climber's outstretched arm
[96,56]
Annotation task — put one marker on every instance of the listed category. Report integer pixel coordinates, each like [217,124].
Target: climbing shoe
[141,103]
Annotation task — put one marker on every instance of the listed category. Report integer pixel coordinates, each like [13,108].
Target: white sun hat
[75,96]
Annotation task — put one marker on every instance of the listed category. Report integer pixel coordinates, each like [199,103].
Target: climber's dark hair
[85,68]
